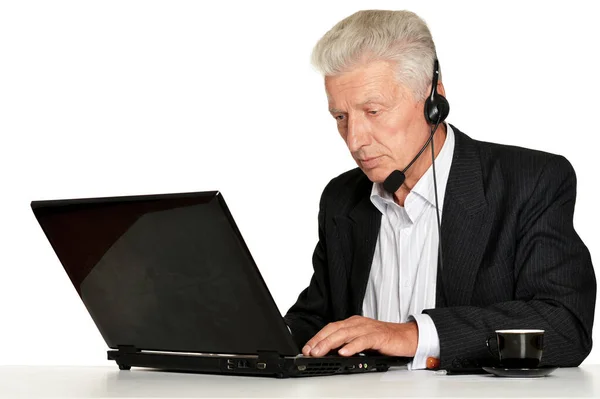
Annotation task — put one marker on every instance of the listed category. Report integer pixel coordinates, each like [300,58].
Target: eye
[374,112]
[339,117]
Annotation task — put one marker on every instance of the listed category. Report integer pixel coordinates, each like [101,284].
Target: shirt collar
[423,191]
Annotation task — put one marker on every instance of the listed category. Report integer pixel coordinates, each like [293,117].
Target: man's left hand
[358,333]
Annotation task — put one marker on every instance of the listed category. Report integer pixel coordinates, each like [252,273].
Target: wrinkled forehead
[357,88]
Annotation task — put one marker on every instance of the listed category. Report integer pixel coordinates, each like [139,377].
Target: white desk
[109,382]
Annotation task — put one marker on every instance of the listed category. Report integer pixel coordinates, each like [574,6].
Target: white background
[137,97]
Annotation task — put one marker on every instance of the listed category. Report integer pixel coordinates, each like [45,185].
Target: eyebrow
[377,99]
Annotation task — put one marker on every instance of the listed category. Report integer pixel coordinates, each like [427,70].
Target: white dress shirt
[402,281]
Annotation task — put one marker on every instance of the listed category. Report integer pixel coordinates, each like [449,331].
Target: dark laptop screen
[166,272]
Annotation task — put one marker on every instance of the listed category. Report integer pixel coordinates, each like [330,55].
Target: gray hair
[368,35]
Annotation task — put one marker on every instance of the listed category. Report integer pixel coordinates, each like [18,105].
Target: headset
[436,110]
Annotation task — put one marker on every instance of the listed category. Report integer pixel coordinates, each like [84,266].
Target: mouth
[370,163]
[368,159]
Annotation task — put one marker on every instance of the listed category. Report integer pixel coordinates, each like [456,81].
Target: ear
[440,89]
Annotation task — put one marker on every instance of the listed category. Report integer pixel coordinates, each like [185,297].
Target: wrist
[412,337]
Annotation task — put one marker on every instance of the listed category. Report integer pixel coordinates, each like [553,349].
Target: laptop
[170,284]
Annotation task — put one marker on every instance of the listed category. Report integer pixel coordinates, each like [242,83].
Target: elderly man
[510,257]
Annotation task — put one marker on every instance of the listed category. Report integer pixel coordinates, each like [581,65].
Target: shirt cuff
[429,342]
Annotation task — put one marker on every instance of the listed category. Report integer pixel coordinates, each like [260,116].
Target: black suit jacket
[511,257]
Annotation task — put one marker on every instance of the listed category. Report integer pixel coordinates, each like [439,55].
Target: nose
[357,135]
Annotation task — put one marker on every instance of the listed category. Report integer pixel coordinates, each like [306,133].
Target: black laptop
[170,284]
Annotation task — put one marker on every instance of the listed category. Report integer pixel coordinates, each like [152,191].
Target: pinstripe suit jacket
[511,257]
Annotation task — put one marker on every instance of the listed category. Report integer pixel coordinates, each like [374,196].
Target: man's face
[378,119]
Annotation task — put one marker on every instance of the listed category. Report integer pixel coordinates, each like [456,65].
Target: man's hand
[358,333]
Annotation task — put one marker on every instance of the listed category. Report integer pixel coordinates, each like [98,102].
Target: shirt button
[406,284]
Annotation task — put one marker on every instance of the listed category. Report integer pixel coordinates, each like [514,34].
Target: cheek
[386,134]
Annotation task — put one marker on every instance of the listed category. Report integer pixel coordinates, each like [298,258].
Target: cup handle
[487,343]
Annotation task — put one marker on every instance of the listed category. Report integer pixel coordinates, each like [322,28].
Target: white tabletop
[109,382]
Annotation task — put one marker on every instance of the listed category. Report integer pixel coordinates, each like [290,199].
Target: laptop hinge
[127,349]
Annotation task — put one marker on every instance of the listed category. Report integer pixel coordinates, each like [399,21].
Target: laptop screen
[165,272]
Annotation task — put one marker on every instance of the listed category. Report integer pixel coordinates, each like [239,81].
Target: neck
[418,169]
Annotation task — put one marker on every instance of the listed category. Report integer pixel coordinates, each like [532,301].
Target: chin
[376,175]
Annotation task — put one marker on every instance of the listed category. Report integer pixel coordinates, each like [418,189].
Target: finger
[342,336]
[357,345]
[330,329]
[325,332]
[334,340]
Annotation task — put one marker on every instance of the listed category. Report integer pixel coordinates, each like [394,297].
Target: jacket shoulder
[518,170]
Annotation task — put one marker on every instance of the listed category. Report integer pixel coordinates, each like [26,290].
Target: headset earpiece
[436,105]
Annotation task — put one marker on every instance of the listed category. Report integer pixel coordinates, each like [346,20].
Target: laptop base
[266,364]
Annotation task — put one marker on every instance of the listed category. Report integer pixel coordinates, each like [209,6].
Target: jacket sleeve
[312,310]
[555,285]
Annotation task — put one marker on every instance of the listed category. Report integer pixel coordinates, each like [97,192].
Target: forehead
[370,82]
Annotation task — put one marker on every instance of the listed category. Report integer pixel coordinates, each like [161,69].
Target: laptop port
[261,366]
[243,364]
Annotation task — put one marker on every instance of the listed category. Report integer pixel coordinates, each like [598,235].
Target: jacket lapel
[358,234]
[367,221]
[465,224]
